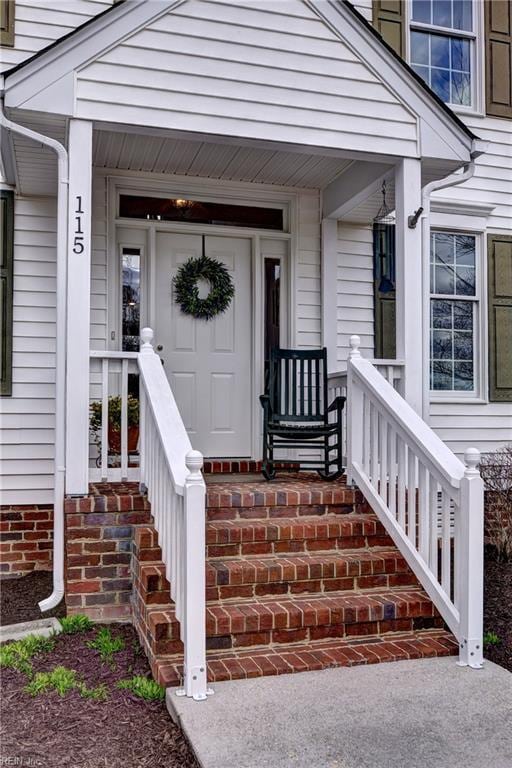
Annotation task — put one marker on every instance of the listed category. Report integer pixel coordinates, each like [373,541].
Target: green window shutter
[7,22]
[6,277]
[500,317]
[385,324]
[389,21]
[498,52]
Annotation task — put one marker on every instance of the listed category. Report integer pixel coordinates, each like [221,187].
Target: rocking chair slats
[296,415]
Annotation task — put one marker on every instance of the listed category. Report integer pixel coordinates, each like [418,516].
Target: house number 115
[78,242]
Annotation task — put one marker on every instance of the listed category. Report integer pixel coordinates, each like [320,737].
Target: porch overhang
[370,103]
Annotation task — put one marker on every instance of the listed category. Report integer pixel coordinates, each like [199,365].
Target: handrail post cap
[355,343]
[472,459]
[194,461]
[146,336]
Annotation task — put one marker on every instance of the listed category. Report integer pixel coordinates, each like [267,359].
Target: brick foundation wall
[99,537]
[26,539]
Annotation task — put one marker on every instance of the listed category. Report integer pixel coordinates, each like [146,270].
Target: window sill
[436,399]
[467,112]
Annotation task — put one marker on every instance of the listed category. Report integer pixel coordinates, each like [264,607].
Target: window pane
[441,314]
[442,345]
[131,299]
[419,48]
[444,280]
[461,89]
[443,248]
[421,11]
[465,281]
[423,72]
[440,83]
[462,15]
[465,250]
[442,375]
[440,51]
[460,54]
[463,376]
[463,315]
[462,345]
[442,13]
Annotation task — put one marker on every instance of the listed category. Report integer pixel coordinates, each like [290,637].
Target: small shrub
[144,687]
[491,638]
[496,471]
[106,645]
[100,693]
[17,655]
[71,625]
[60,679]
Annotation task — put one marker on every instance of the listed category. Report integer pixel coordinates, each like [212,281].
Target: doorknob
[159,348]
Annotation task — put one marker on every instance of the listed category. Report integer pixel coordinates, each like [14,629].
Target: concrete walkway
[407,714]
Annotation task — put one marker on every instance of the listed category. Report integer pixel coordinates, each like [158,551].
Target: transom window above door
[442,48]
[200,212]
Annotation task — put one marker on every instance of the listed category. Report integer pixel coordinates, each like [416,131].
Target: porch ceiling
[157,154]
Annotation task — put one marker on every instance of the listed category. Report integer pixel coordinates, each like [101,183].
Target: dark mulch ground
[72,732]
[19,598]
[498,608]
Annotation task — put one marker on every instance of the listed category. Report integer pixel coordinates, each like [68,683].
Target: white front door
[208,362]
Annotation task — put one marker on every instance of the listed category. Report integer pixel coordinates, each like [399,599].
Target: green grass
[491,638]
[71,625]
[106,645]
[63,680]
[17,655]
[143,687]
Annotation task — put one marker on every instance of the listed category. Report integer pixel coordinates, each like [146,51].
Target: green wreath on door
[186,290]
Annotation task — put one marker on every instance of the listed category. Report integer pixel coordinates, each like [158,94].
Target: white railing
[113,450]
[171,473]
[428,501]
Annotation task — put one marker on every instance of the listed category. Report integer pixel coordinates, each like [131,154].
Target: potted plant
[114,422]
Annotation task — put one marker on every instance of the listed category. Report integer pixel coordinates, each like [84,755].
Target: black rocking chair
[296,413]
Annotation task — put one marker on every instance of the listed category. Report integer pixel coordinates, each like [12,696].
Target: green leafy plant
[60,679]
[114,413]
[99,693]
[106,645]
[491,638]
[144,687]
[17,655]
[71,625]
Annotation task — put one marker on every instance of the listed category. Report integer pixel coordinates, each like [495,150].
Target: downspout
[454,179]
[60,354]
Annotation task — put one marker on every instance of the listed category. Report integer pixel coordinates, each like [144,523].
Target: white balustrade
[428,501]
[171,473]
[111,458]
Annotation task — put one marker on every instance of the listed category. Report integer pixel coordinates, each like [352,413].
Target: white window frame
[480,372]
[477,57]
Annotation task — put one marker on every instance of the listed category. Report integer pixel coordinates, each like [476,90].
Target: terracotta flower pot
[114,439]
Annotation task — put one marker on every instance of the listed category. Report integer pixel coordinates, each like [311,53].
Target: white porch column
[409,283]
[79,301]
[329,290]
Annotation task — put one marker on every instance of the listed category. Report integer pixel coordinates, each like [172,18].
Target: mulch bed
[122,732]
[19,598]
[498,608]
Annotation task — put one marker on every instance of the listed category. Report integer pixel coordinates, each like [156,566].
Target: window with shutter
[500,318]
[7,22]
[498,49]
[389,21]
[6,278]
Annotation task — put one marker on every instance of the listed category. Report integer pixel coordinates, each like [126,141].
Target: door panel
[208,362]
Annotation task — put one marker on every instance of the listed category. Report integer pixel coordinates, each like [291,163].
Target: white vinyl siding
[38,23]
[234,69]
[354,289]
[27,418]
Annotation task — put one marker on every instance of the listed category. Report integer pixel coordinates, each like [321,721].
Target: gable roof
[45,77]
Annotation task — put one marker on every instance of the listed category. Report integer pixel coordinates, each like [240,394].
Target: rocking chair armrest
[265,404]
[337,404]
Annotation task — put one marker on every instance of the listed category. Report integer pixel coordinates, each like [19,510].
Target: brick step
[301,495]
[306,573]
[292,574]
[303,657]
[237,538]
[299,619]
